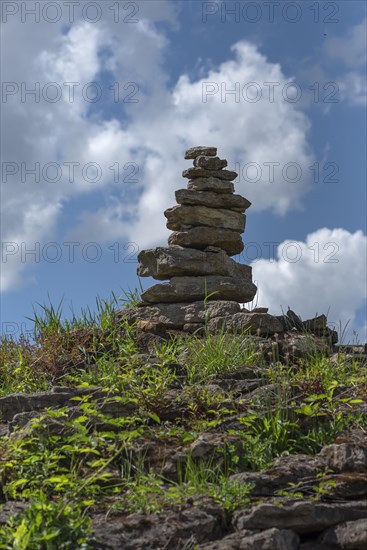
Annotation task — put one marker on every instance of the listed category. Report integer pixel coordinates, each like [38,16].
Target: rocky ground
[185,441]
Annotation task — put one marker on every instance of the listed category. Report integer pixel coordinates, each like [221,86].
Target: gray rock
[303,345]
[345,457]
[19,403]
[163,263]
[271,539]
[351,535]
[166,530]
[180,216]
[316,325]
[302,517]
[11,508]
[181,289]
[216,185]
[348,485]
[210,163]
[196,172]
[201,150]
[262,324]
[212,200]
[175,316]
[202,237]
[286,470]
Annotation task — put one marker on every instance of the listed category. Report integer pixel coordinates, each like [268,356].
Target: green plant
[215,354]
[48,525]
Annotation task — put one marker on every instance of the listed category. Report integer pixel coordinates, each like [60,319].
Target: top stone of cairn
[200,151]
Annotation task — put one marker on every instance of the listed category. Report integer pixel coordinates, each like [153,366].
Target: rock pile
[207,224]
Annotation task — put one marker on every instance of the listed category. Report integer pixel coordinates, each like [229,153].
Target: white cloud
[330,275]
[349,49]
[152,133]
[244,132]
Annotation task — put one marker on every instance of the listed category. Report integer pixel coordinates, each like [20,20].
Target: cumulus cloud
[350,51]
[244,131]
[324,273]
[152,133]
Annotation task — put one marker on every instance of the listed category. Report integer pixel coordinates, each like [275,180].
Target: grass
[67,466]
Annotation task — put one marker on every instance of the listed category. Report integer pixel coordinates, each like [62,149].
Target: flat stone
[271,539]
[175,316]
[181,289]
[196,172]
[180,216]
[345,457]
[15,403]
[304,345]
[211,199]
[285,470]
[262,324]
[351,535]
[211,184]
[169,529]
[210,163]
[202,237]
[317,324]
[301,516]
[201,150]
[162,263]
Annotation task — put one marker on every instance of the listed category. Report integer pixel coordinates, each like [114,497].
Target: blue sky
[298,108]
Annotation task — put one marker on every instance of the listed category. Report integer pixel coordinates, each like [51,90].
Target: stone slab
[202,237]
[162,263]
[175,316]
[182,289]
[210,163]
[197,172]
[212,200]
[194,152]
[211,184]
[182,215]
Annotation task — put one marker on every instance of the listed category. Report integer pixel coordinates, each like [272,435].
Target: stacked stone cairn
[207,224]
[205,285]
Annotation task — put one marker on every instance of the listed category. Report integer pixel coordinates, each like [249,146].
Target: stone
[295,320]
[170,529]
[212,200]
[154,327]
[316,325]
[300,516]
[181,289]
[11,508]
[210,163]
[196,172]
[175,316]
[180,216]
[345,457]
[161,263]
[271,539]
[262,324]
[202,237]
[15,403]
[194,152]
[351,535]
[303,345]
[286,470]
[216,185]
